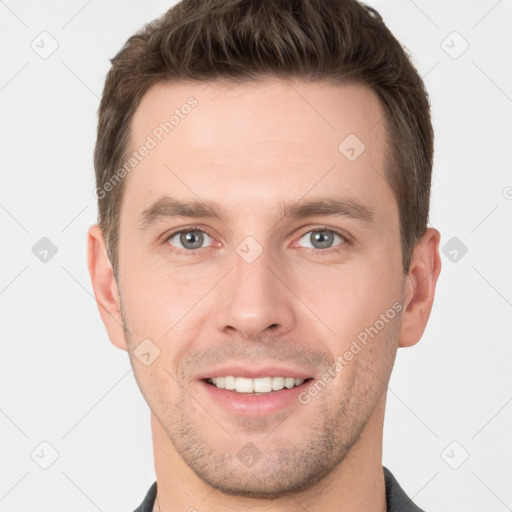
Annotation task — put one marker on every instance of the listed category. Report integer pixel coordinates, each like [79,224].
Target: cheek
[165,306]
[157,295]
[160,390]
[347,298]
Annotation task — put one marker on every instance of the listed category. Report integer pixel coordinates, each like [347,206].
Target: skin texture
[249,147]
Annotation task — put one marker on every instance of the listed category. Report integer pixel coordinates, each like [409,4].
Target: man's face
[256,289]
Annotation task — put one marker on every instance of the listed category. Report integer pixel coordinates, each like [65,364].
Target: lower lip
[245,404]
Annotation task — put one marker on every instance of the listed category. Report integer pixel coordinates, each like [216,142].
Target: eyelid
[191,227]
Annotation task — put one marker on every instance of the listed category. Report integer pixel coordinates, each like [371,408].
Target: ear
[420,288]
[105,286]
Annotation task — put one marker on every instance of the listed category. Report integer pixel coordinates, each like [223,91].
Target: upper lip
[251,372]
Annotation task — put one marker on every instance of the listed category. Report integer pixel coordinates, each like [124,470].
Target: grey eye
[322,238]
[190,239]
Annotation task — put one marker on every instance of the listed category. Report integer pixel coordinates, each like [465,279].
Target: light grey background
[63,383]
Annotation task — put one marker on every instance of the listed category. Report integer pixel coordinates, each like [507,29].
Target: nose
[254,300]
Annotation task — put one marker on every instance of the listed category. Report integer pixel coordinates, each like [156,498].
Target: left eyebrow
[167,207]
[330,206]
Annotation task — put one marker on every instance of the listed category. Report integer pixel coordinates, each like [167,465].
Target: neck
[356,484]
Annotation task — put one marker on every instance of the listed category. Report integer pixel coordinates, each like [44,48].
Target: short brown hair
[239,40]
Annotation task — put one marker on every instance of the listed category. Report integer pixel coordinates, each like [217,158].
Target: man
[263,180]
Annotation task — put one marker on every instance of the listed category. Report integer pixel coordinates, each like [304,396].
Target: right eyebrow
[167,207]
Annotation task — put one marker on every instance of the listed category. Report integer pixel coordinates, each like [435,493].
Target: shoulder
[396,499]
[149,500]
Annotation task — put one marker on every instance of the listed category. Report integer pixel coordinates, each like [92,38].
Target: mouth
[246,390]
[255,386]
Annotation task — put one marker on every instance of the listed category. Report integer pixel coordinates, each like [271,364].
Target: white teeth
[259,385]
[244,385]
[229,382]
[263,385]
[277,383]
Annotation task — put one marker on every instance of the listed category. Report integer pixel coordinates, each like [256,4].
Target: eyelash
[319,252]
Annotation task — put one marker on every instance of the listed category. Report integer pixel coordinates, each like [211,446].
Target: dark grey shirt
[396,499]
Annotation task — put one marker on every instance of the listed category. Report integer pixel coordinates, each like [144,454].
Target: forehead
[284,112]
[268,140]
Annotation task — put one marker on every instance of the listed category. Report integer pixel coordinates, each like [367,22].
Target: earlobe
[105,286]
[420,288]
